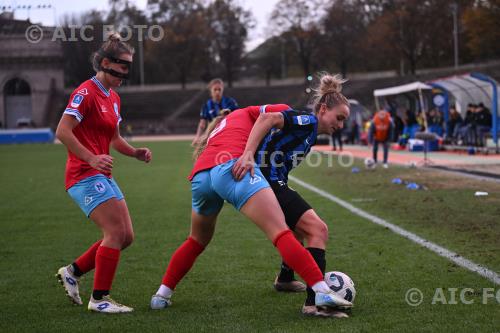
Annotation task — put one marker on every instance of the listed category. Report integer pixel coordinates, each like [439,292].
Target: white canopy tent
[416,86]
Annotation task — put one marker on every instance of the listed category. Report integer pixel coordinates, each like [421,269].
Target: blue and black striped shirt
[211,109]
[284,149]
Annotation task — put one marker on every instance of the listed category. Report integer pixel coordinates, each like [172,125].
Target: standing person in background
[381,132]
[213,106]
[88,127]
[337,137]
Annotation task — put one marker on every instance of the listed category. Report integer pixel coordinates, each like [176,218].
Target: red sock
[298,258]
[106,261]
[181,262]
[86,262]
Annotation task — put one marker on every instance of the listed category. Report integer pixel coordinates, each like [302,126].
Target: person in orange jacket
[381,130]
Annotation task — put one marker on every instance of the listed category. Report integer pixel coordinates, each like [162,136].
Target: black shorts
[292,204]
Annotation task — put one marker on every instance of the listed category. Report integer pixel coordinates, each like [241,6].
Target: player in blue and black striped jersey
[213,106]
[277,144]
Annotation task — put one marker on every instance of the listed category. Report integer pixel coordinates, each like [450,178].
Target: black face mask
[110,71]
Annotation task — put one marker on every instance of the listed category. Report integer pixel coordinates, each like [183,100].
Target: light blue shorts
[92,191]
[211,187]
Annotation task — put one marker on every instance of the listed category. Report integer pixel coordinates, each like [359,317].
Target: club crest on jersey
[83,92]
[115,107]
[303,120]
[99,187]
[255,179]
[77,100]
[103,108]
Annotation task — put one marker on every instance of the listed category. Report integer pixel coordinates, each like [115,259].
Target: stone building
[31,73]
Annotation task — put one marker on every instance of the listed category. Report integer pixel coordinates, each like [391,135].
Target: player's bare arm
[64,133]
[263,125]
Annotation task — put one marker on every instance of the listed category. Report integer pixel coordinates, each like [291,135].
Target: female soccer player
[280,151]
[212,183]
[212,108]
[89,125]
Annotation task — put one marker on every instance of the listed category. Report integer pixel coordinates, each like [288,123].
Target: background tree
[343,29]
[299,22]
[229,24]
[183,50]
[482,26]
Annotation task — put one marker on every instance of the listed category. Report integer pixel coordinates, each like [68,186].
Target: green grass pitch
[230,287]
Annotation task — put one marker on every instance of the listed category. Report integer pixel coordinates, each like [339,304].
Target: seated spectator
[467,131]
[454,123]
[483,123]
[435,122]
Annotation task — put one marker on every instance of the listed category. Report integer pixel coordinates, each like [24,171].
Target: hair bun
[330,83]
[114,37]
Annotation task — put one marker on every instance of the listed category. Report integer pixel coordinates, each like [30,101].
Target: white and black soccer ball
[342,284]
[369,163]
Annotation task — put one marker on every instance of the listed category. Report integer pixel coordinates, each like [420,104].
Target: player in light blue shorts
[211,187]
[92,191]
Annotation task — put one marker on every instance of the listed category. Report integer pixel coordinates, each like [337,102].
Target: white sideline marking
[452,256]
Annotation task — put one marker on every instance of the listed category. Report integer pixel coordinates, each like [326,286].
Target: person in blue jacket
[212,108]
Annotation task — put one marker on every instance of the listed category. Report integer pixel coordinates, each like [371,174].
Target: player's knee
[128,239]
[115,238]
[322,231]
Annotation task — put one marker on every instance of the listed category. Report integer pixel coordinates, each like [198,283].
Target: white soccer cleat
[108,305]
[386,166]
[70,284]
[159,302]
[331,300]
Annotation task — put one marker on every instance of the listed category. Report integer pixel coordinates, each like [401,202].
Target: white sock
[321,287]
[164,291]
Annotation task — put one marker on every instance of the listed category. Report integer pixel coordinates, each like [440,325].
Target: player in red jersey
[212,182]
[89,125]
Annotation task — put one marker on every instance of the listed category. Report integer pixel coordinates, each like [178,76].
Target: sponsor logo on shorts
[88,200]
[255,179]
[99,187]
[77,100]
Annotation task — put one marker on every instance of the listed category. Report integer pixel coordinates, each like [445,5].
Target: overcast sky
[261,10]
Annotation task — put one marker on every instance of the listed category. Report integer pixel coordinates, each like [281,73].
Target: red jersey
[229,138]
[98,111]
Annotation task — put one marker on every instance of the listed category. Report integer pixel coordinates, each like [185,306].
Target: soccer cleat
[107,305]
[293,286]
[331,300]
[386,166]
[159,302]
[314,311]
[70,284]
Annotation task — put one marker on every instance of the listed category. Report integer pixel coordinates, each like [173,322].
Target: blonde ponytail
[329,91]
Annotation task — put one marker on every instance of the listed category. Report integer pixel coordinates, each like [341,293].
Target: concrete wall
[40,64]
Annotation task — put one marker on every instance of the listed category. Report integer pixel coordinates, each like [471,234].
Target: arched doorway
[18,111]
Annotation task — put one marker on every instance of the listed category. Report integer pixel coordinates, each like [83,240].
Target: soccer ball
[341,284]
[369,163]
